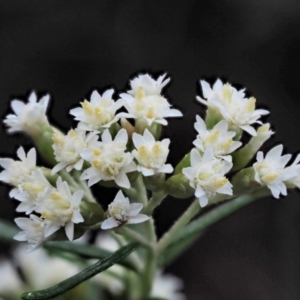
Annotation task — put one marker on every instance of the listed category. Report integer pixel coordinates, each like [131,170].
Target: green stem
[137,192]
[134,236]
[68,178]
[179,224]
[85,188]
[157,198]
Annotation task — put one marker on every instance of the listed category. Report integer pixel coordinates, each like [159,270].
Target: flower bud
[184,163]
[243,156]
[155,183]
[44,142]
[244,182]
[92,213]
[178,186]
[127,126]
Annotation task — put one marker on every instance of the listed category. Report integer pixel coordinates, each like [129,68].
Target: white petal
[121,136]
[77,196]
[109,223]
[58,167]
[86,154]
[18,107]
[108,94]
[106,136]
[149,138]
[188,172]
[199,192]
[249,129]
[21,154]
[21,236]
[275,153]
[206,89]
[77,217]
[95,97]
[122,180]
[195,157]
[78,165]
[173,113]
[76,112]
[135,208]
[200,125]
[146,172]
[50,229]
[203,200]
[138,140]
[260,156]
[166,169]
[137,219]
[69,229]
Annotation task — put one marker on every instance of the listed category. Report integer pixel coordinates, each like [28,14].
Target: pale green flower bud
[178,186]
[155,183]
[92,213]
[243,156]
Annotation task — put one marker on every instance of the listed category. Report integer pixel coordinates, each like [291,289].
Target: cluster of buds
[108,149]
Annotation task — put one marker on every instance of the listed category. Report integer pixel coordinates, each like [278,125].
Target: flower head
[61,208]
[15,171]
[109,160]
[150,154]
[28,117]
[218,138]
[33,232]
[120,212]
[231,104]
[167,286]
[32,191]
[149,85]
[206,175]
[67,148]
[99,113]
[144,102]
[271,171]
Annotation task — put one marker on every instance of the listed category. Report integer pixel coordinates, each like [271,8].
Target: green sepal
[243,182]
[213,117]
[92,213]
[82,276]
[178,186]
[184,163]
[114,129]
[44,142]
[156,182]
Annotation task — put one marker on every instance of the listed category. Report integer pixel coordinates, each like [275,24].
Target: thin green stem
[179,224]
[68,178]
[84,186]
[134,236]
[157,198]
[137,192]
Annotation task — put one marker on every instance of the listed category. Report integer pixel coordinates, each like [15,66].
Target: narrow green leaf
[86,250]
[86,274]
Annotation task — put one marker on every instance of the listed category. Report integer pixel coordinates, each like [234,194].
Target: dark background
[72,47]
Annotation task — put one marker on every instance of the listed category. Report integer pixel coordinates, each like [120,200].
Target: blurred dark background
[69,48]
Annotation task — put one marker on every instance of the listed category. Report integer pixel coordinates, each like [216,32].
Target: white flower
[61,209]
[33,232]
[120,211]
[271,171]
[295,168]
[148,84]
[109,160]
[99,113]
[218,138]
[32,191]
[206,175]
[15,171]
[11,285]
[167,286]
[28,117]
[238,111]
[150,154]
[67,148]
[145,103]
[41,270]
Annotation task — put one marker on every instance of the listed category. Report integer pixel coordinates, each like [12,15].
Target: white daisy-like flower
[151,154]
[109,160]
[167,286]
[32,191]
[61,208]
[28,117]
[271,171]
[33,232]
[149,85]
[238,111]
[121,211]
[218,138]
[67,148]
[99,113]
[206,175]
[15,171]
[145,103]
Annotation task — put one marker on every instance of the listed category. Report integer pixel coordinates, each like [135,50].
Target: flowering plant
[129,156]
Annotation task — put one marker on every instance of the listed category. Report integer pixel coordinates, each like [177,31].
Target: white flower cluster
[57,206]
[28,117]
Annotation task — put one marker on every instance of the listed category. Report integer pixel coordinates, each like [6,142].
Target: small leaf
[86,274]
